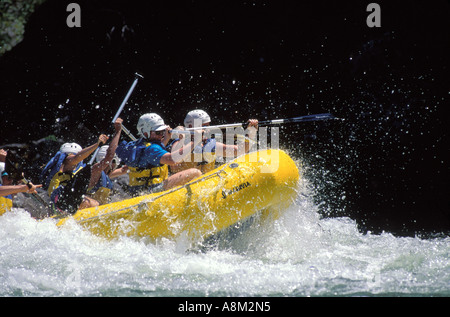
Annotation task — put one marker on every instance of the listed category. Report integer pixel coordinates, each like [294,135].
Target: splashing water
[300,254]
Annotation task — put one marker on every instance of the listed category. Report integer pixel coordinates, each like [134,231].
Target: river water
[300,254]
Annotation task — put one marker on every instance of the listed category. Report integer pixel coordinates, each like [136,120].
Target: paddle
[122,105]
[13,166]
[313,117]
[73,192]
[127,96]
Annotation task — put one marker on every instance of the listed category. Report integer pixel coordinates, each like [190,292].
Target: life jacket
[6,203]
[67,197]
[140,174]
[203,158]
[102,189]
[51,178]
[170,144]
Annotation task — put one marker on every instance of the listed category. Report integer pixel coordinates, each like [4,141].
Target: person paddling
[8,189]
[100,184]
[203,157]
[65,178]
[148,159]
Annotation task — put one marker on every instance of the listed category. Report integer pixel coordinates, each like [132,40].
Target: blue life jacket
[53,167]
[209,146]
[131,152]
[104,181]
[170,144]
[142,172]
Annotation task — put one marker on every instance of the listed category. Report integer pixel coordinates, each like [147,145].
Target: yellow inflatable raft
[263,181]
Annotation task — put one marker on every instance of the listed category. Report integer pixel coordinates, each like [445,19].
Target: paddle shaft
[313,117]
[130,135]
[122,105]
[127,132]
[36,196]
[127,96]
[18,175]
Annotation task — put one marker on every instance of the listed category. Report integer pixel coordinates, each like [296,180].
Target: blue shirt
[152,155]
[137,154]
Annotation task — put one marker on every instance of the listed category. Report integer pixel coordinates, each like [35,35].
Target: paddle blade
[313,117]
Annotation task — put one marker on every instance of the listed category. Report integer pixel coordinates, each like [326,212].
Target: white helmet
[101,154]
[196,115]
[149,122]
[72,148]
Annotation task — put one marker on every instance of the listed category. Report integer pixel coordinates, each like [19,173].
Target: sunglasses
[159,132]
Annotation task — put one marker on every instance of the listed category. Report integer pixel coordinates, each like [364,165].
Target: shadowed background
[385,165]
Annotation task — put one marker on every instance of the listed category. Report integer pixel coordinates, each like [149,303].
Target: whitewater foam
[300,254]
